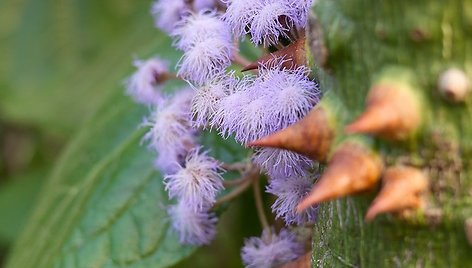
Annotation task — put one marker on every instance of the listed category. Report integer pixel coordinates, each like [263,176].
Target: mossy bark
[363,38]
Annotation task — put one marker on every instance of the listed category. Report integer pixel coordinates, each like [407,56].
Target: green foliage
[16,202]
[61,59]
[63,63]
[104,204]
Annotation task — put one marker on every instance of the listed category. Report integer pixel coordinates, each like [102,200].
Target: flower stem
[248,178]
[171,76]
[260,205]
[234,182]
[240,166]
[241,60]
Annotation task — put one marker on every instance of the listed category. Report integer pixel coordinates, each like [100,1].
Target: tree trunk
[356,42]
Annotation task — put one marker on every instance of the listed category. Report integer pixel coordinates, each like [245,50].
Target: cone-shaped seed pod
[392,112]
[402,189]
[351,169]
[293,56]
[312,136]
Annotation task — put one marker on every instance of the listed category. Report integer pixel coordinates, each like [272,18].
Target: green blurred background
[59,60]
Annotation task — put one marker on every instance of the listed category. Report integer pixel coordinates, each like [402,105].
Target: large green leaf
[17,199]
[60,58]
[104,204]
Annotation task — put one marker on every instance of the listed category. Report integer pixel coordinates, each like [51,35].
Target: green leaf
[61,58]
[104,203]
[16,202]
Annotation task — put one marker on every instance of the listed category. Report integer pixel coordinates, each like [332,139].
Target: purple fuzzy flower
[205,60]
[245,113]
[271,250]
[274,19]
[167,13]
[171,129]
[204,4]
[228,116]
[144,84]
[290,191]
[302,8]
[208,47]
[193,227]
[254,118]
[293,95]
[239,14]
[207,99]
[198,182]
[267,20]
[274,100]
[199,27]
[169,160]
[277,162]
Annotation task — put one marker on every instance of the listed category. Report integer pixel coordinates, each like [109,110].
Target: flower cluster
[245,107]
[195,186]
[171,134]
[207,44]
[253,107]
[266,20]
[271,250]
[191,176]
[198,183]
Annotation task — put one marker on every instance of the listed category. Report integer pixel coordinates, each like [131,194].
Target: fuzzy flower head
[290,191]
[167,13]
[245,113]
[205,60]
[239,14]
[266,20]
[207,99]
[273,20]
[277,162]
[271,250]
[169,160]
[198,182]
[302,8]
[193,227]
[199,5]
[171,130]
[277,98]
[293,93]
[144,84]
[199,27]
[229,113]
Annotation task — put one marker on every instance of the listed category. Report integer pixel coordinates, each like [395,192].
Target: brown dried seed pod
[294,55]
[454,85]
[392,112]
[402,189]
[311,136]
[352,169]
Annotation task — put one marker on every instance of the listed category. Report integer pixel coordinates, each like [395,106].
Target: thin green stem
[248,178]
[260,205]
